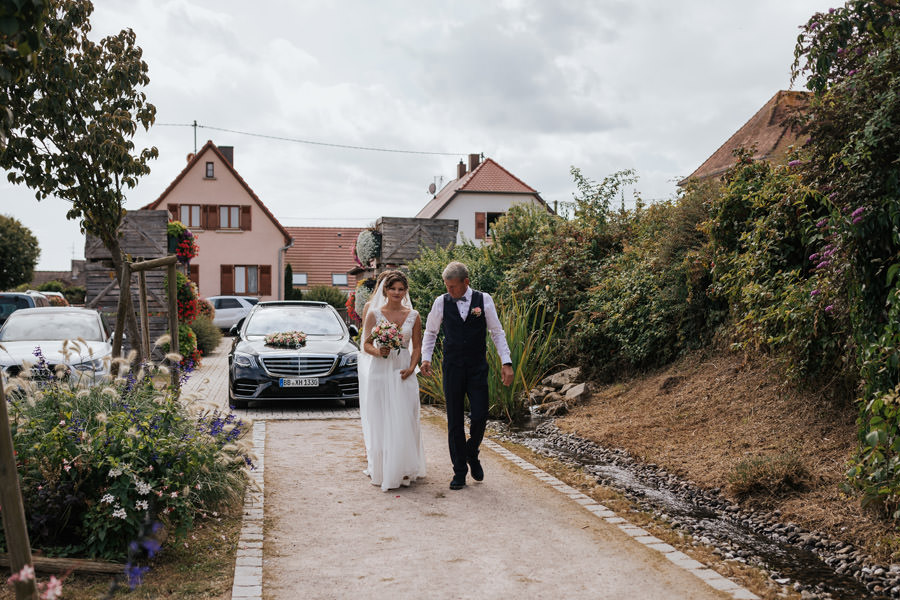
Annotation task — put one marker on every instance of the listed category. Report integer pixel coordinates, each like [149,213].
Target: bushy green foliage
[424,274]
[327,293]
[96,462]
[75,294]
[648,303]
[764,229]
[52,286]
[208,335]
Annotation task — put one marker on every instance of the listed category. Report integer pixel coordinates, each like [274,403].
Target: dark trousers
[461,381]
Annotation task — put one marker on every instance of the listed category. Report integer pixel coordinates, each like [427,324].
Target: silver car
[231,309]
[73,339]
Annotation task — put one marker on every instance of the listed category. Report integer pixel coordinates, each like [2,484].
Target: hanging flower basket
[368,246]
[181,242]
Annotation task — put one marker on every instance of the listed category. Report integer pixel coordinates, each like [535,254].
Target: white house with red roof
[324,257]
[478,197]
[241,243]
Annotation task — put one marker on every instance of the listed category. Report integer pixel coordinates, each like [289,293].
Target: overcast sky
[539,86]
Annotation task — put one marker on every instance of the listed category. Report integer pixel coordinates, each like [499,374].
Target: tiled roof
[487,178]
[770,130]
[321,251]
[210,147]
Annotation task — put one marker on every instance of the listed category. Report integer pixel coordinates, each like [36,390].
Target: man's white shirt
[436,317]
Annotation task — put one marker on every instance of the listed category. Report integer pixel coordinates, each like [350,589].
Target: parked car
[56,298]
[231,309]
[325,368]
[13,301]
[47,328]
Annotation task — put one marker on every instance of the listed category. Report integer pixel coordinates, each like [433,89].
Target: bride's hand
[384,351]
[407,372]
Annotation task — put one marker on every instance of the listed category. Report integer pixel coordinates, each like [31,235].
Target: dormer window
[210,170]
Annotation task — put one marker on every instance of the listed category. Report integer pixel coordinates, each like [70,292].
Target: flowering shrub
[364,289]
[98,462]
[286,339]
[205,309]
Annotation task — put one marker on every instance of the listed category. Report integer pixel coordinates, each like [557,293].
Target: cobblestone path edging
[248,561]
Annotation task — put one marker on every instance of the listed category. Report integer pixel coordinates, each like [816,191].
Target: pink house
[242,244]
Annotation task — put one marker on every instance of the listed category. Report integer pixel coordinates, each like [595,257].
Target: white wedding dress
[390,420]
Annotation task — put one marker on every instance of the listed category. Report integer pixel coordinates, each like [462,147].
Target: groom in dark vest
[466,316]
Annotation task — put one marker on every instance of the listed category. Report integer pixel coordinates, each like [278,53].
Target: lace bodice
[406,327]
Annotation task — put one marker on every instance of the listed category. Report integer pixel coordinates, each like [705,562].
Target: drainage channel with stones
[808,562]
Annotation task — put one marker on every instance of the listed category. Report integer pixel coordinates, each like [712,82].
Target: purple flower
[857,221]
[814,256]
[829,308]
[858,212]
[794,163]
[823,264]
[135,574]
[851,72]
[814,293]
[822,223]
[830,11]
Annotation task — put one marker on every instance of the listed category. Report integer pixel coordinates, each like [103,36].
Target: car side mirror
[353,329]
[236,327]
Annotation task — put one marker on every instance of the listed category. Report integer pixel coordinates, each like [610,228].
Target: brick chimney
[228,153]
[460,169]
[474,160]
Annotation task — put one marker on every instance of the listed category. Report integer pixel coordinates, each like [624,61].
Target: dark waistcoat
[464,341]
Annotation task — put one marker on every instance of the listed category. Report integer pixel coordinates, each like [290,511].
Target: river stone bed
[662,494]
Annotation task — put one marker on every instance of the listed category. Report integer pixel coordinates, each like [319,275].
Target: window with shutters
[490,219]
[229,217]
[194,274]
[244,280]
[210,170]
[189,214]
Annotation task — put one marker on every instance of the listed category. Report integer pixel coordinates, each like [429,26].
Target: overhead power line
[310,142]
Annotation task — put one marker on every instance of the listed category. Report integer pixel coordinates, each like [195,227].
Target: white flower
[115,471]
[107,499]
[120,513]
[142,488]
[141,505]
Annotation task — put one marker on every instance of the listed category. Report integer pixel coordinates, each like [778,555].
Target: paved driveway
[318,529]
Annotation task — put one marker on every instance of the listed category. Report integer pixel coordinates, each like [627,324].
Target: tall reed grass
[532,336]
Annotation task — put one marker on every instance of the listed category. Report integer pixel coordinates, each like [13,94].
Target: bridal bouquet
[286,339]
[387,335]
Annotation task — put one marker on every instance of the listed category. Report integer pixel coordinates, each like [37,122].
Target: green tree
[21,25]
[83,105]
[19,253]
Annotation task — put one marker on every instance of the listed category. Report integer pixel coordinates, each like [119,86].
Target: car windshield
[311,320]
[51,326]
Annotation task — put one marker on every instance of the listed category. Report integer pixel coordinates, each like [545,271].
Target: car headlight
[350,360]
[92,366]
[243,360]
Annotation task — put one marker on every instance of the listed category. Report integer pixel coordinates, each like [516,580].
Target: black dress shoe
[458,482]
[477,471]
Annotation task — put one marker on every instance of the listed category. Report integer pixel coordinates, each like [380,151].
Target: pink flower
[476,312]
[52,590]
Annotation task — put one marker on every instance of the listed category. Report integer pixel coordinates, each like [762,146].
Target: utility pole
[195,136]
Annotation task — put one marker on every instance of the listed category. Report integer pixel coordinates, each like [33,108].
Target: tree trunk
[131,326]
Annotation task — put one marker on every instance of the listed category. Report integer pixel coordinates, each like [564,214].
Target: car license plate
[298,382]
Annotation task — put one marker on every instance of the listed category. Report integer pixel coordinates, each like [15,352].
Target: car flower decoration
[286,339]
[476,312]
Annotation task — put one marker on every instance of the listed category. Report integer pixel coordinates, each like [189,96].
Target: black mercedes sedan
[323,368]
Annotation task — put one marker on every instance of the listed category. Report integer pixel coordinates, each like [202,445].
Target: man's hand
[506,374]
[426,368]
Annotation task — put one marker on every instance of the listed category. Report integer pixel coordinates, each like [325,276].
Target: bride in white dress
[396,456]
